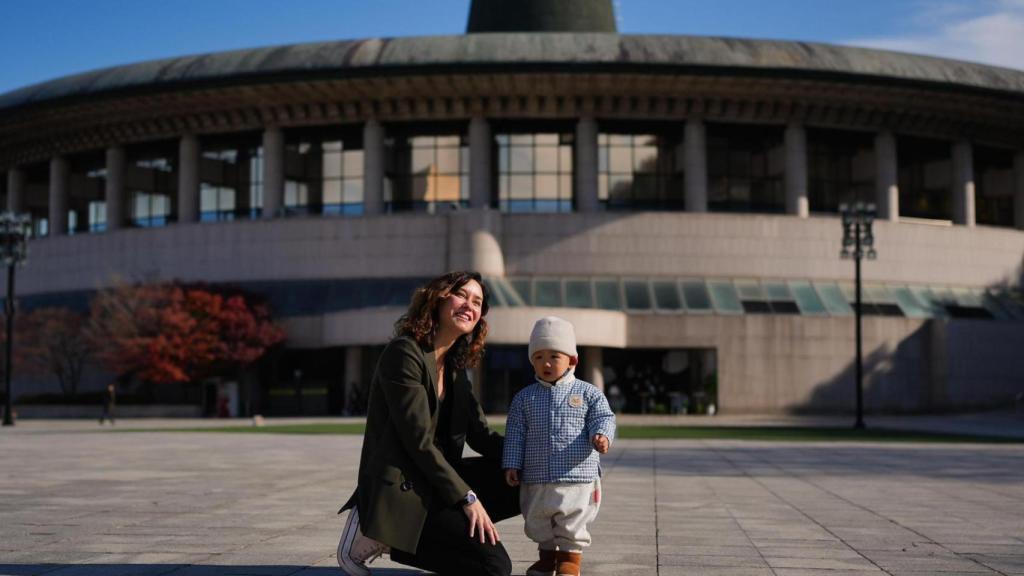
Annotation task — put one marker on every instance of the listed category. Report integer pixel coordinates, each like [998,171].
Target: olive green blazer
[402,469]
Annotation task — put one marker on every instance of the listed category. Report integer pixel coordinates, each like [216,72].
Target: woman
[416,494]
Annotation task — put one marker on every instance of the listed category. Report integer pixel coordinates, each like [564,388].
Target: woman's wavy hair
[421,320]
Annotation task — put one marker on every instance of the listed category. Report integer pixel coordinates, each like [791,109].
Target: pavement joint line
[736,521]
[802,478]
[657,525]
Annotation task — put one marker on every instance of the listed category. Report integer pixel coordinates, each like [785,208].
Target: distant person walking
[109,403]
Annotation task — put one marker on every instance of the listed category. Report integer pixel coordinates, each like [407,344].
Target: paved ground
[74,502]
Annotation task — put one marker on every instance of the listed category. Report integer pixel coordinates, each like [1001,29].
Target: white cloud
[992,32]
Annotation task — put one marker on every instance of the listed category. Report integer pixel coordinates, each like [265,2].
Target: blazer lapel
[431,363]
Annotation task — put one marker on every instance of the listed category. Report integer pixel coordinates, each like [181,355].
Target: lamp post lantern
[857,234]
[14,232]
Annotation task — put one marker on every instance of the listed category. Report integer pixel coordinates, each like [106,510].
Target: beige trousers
[559,515]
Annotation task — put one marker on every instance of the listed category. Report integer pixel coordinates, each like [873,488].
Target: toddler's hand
[600,442]
[512,477]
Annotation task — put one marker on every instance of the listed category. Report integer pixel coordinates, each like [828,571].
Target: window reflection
[534,172]
[324,173]
[151,180]
[86,187]
[840,168]
[426,173]
[231,179]
[745,167]
[925,178]
[993,185]
[639,171]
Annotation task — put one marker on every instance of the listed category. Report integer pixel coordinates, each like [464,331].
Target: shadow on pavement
[995,464]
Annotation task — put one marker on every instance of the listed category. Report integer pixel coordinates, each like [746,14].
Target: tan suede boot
[543,567]
[568,563]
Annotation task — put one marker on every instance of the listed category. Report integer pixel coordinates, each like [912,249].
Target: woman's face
[460,311]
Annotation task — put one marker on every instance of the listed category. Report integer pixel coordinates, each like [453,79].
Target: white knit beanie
[553,333]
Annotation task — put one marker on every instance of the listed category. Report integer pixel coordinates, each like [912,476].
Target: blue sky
[45,39]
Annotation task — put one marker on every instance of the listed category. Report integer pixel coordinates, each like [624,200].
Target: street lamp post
[14,231]
[857,221]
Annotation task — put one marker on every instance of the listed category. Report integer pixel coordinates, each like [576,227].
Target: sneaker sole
[348,536]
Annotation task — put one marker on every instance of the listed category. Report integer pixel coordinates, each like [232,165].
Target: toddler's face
[549,365]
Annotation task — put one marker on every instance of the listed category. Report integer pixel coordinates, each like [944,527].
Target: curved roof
[522,50]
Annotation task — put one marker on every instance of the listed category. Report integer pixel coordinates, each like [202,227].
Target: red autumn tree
[178,333]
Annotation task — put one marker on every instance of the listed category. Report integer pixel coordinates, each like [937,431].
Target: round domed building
[675,197]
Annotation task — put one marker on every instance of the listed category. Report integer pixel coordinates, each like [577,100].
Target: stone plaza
[78,501]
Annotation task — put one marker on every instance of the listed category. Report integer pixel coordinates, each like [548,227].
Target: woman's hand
[512,477]
[480,525]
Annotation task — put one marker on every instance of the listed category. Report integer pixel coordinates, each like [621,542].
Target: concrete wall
[641,244]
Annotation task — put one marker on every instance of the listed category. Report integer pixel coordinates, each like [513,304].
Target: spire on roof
[541,16]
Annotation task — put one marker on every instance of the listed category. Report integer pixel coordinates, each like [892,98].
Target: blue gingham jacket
[547,436]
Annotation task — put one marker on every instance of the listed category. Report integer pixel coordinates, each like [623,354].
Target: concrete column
[1018,192]
[479,163]
[695,165]
[15,189]
[586,165]
[273,171]
[963,183]
[114,190]
[353,375]
[373,168]
[887,191]
[796,170]
[188,178]
[593,363]
[59,179]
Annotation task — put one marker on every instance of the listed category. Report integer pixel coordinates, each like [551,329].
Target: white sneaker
[355,550]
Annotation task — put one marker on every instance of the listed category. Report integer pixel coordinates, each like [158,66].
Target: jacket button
[406,486]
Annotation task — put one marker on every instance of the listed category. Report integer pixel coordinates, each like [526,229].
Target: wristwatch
[469,499]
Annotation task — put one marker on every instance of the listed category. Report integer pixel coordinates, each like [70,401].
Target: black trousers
[445,546]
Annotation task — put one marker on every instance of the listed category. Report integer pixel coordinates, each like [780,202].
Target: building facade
[675,197]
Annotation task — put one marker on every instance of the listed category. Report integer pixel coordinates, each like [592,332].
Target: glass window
[495,296]
[638,294]
[993,180]
[908,303]
[152,183]
[840,168]
[534,172]
[931,304]
[508,293]
[726,300]
[231,184]
[666,295]
[807,299]
[577,294]
[833,299]
[548,293]
[97,216]
[638,171]
[86,186]
[745,168]
[607,294]
[522,288]
[753,297]
[324,172]
[925,178]
[427,173]
[696,295]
